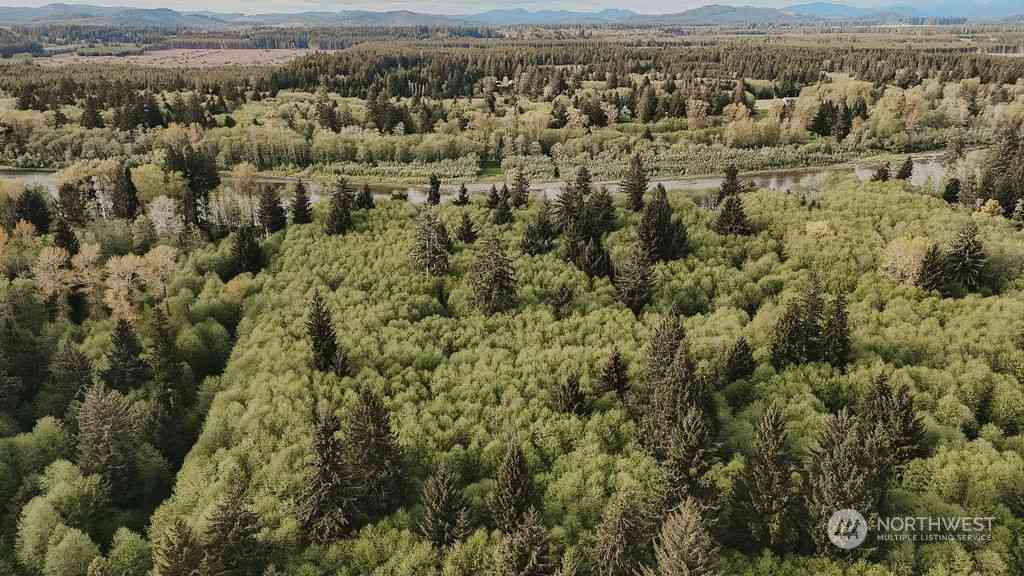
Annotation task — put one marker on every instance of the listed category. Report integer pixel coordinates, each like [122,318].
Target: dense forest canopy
[232,343]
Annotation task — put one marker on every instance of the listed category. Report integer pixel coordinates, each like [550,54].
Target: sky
[431,6]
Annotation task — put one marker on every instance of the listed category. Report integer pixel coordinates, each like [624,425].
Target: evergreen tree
[445,514]
[339,219]
[466,233]
[966,260]
[797,337]
[891,409]
[373,456]
[434,191]
[582,181]
[568,397]
[633,281]
[431,245]
[635,184]
[231,546]
[326,113]
[561,301]
[199,167]
[731,218]
[731,185]
[91,117]
[33,207]
[570,215]
[493,278]
[173,393]
[932,275]
[70,374]
[503,212]
[320,329]
[614,377]
[600,214]
[559,115]
[688,452]
[526,550]
[739,364]
[246,252]
[271,212]
[623,538]
[125,195]
[668,338]
[684,546]
[593,259]
[539,236]
[835,335]
[845,471]
[11,389]
[788,345]
[663,238]
[906,170]
[951,193]
[364,200]
[513,490]
[766,496]
[126,369]
[463,197]
[882,174]
[73,200]
[520,196]
[493,198]
[325,500]
[678,425]
[176,551]
[301,211]
[107,436]
[64,236]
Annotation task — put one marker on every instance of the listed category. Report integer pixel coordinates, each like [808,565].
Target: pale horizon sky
[434,7]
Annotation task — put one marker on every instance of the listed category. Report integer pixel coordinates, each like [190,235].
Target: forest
[233,344]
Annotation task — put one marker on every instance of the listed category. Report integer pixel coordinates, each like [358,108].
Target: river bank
[928,167]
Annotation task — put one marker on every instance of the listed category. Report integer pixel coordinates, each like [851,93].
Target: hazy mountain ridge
[703,15]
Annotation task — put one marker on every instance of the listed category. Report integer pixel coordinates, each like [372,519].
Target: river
[927,168]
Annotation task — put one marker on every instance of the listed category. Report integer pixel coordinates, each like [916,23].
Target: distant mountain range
[704,15]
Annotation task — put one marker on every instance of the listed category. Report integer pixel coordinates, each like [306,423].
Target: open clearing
[188,58]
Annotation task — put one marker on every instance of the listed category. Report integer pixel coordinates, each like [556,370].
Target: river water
[928,168]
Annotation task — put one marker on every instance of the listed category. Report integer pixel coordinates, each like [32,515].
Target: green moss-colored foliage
[456,381]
